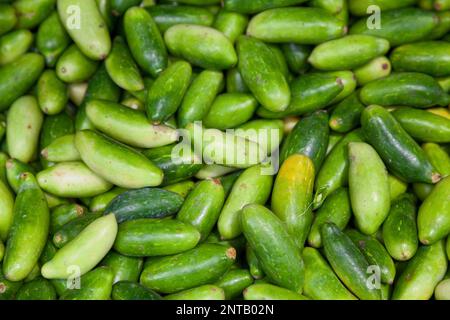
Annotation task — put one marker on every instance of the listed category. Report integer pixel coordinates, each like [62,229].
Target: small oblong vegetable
[252,186]
[298,25]
[262,75]
[274,247]
[347,114]
[152,237]
[400,229]
[370,201]
[14,44]
[8,18]
[202,206]
[348,52]
[166,94]
[433,221]
[52,93]
[73,180]
[422,273]
[376,69]
[128,290]
[202,46]
[359,7]
[124,268]
[22,132]
[423,125]
[144,203]
[6,213]
[127,125]
[29,230]
[63,214]
[402,155]
[86,27]
[231,24]
[254,6]
[266,291]
[234,282]
[127,168]
[62,149]
[74,67]
[205,292]
[292,196]
[85,251]
[70,230]
[145,41]
[201,265]
[38,289]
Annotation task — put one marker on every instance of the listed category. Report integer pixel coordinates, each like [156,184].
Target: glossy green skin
[74,67]
[144,203]
[151,237]
[52,39]
[201,265]
[100,202]
[402,155]
[9,288]
[209,3]
[400,26]
[94,285]
[8,18]
[335,209]
[430,57]
[70,230]
[347,261]
[200,96]
[127,168]
[145,41]
[359,7]
[400,229]
[211,171]
[275,249]
[442,290]
[39,289]
[29,230]
[334,171]
[6,214]
[251,187]
[230,110]
[292,196]
[347,114]
[423,125]
[205,292]
[396,186]
[121,67]
[62,149]
[14,44]
[104,7]
[370,201]
[166,94]
[24,124]
[442,28]
[296,56]
[101,87]
[14,169]
[375,254]
[181,188]
[127,125]
[52,93]
[321,283]
[282,25]
[64,214]
[433,220]
[262,75]
[92,36]
[348,81]
[438,157]
[124,268]
[72,180]
[202,206]
[234,282]
[3,159]
[17,77]
[167,16]
[173,170]
[235,82]
[421,275]
[128,290]
[309,137]
[266,291]
[348,52]
[31,12]
[254,6]
[231,24]
[334,140]
[215,52]
[310,92]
